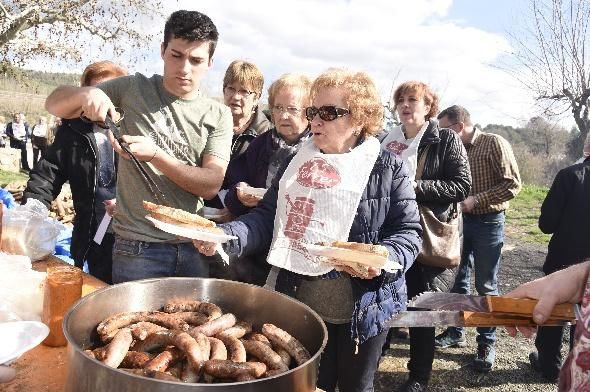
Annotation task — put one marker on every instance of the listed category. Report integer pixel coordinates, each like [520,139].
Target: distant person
[39,139]
[287,97]
[586,150]
[3,136]
[495,181]
[565,213]
[82,155]
[182,139]
[445,181]
[18,132]
[571,285]
[242,89]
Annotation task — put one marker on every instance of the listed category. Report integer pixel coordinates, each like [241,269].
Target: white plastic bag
[21,289]
[27,230]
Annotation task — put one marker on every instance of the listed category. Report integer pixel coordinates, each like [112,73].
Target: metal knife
[487,303]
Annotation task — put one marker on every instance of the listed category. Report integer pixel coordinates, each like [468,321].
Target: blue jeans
[134,260]
[483,238]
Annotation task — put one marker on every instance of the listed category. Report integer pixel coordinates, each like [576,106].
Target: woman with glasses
[445,181]
[340,186]
[287,97]
[242,88]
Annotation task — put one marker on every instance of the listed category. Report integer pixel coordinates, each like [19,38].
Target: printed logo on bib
[318,174]
[167,136]
[396,147]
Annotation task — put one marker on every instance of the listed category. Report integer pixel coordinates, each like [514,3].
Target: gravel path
[452,367]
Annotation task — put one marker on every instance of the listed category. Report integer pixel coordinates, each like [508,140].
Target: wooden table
[44,368]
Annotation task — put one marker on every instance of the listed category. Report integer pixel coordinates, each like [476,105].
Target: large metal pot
[247,302]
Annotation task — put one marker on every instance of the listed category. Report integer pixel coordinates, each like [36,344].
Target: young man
[182,138]
[495,181]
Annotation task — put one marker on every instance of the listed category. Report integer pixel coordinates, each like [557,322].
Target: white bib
[396,142]
[317,201]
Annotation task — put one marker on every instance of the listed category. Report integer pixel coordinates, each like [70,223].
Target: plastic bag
[27,230]
[7,198]
[21,289]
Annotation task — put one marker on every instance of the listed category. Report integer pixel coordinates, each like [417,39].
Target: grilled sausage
[164,360]
[115,351]
[286,341]
[265,354]
[239,330]
[109,327]
[218,349]
[135,359]
[213,327]
[235,349]
[232,370]
[181,306]
[152,374]
[141,330]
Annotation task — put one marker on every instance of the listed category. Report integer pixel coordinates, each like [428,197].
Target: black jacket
[565,213]
[71,157]
[259,125]
[446,180]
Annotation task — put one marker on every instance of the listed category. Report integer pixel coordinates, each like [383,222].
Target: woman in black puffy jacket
[445,181]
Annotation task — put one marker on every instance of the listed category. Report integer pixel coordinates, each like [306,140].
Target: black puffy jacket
[71,157]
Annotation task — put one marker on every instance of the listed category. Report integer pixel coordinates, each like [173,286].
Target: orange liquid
[63,287]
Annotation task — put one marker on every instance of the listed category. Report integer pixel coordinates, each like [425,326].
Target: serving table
[44,368]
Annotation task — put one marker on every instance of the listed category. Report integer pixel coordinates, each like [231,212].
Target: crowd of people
[333,171]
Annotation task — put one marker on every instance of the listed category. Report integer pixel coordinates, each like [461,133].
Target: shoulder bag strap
[421,162]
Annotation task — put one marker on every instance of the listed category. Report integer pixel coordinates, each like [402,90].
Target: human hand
[96,105]
[142,147]
[565,286]
[110,206]
[245,198]
[205,248]
[7,374]
[372,272]
[468,204]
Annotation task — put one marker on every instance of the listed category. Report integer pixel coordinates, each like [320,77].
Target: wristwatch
[476,202]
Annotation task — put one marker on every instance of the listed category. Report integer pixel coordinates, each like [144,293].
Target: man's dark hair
[456,114]
[191,26]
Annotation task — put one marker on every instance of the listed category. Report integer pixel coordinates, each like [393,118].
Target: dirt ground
[452,367]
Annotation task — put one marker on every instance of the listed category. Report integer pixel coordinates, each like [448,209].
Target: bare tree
[61,29]
[552,58]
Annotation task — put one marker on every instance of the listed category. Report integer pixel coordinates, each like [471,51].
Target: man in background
[565,213]
[18,133]
[495,181]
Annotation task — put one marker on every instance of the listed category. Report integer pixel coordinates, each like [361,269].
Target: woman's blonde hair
[361,96]
[420,89]
[290,81]
[245,73]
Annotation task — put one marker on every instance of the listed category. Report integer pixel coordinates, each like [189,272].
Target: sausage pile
[193,341]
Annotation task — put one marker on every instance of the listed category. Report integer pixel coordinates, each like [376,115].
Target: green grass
[523,214]
[8,176]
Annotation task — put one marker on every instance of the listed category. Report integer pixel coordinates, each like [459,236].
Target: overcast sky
[455,46]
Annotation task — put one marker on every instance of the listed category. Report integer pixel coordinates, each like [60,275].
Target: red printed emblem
[396,147]
[318,174]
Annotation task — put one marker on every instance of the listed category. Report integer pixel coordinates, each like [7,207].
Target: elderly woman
[242,88]
[339,186]
[445,181]
[287,97]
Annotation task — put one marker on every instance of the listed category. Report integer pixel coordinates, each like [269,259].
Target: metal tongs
[114,128]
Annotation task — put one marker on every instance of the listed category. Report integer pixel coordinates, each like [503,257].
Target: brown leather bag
[441,241]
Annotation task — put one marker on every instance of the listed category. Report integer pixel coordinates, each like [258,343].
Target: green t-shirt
[184,129]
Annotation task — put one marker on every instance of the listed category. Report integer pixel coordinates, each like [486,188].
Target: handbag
[441,241]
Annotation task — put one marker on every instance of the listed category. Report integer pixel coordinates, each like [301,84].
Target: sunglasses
[326,113]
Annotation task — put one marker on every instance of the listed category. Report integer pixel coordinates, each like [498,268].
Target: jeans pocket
[127,247]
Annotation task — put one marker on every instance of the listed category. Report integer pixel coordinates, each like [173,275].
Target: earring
[357,132]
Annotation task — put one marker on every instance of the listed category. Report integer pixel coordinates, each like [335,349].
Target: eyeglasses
[327,113]
[229,90]
[292,110]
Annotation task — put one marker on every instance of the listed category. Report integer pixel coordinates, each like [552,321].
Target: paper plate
[212,213]
[18,337]
[369,259]
[189,232]
[258,192]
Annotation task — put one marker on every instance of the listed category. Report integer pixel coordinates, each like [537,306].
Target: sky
[456,46]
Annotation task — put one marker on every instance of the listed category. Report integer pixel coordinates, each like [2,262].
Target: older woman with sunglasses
[445,181]
[340,186]
[242,88]
[287,97]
